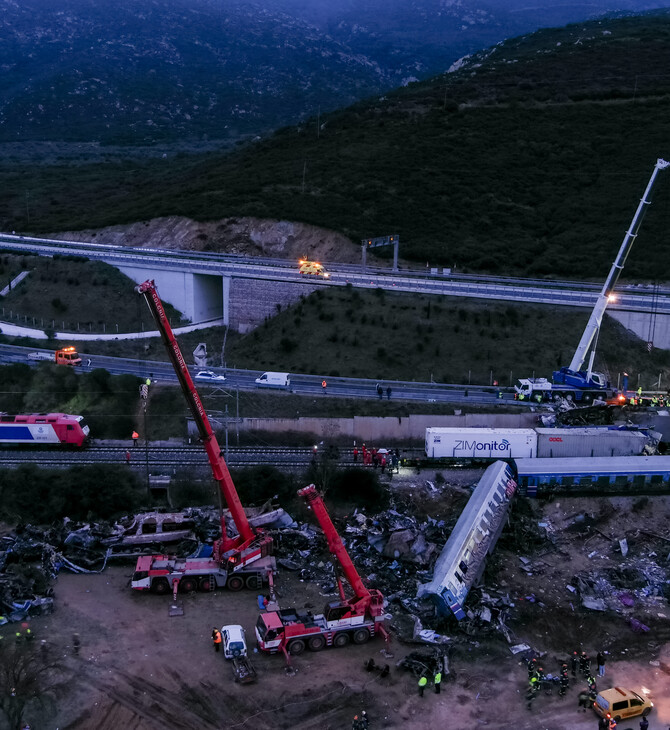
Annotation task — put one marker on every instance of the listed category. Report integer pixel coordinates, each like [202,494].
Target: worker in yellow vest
[422,685]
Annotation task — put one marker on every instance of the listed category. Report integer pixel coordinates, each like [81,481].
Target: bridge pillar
[225,291]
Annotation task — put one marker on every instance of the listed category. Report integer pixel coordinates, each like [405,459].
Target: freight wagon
[472,445]
[43,429]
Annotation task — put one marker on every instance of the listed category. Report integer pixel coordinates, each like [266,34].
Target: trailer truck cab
[274,380]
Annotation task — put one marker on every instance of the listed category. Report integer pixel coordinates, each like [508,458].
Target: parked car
[235,648]
[209,375]
[621,704]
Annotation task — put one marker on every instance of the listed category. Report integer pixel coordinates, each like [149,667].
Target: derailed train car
[461,563]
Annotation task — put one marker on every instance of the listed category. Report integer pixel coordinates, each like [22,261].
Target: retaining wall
[252,300]
[373,429]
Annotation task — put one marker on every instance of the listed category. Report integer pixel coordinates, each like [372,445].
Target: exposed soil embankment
[248,236]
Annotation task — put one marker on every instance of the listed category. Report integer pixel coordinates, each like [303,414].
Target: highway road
[539,291]
[301,384]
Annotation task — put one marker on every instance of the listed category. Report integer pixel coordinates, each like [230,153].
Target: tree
[26,676]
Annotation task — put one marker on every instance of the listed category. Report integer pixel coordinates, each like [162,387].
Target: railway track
[172,458]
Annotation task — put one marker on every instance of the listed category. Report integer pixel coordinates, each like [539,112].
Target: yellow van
[312,267]
[621,703]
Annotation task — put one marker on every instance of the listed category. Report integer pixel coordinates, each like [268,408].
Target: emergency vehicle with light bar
[312,268]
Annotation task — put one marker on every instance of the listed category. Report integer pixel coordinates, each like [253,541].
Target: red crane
[245,557]
[356,618]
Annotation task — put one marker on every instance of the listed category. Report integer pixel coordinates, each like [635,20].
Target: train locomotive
[43,429]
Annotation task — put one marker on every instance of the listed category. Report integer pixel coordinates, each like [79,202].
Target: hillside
[528,158]
[186,72]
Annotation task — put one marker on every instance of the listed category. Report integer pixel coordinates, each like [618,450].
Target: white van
[274,380]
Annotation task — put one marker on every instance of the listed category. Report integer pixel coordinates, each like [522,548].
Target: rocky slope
[248,236]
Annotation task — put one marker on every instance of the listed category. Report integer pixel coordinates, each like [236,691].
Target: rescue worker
[573,663]
[612,725]
[135,437]
[355,454]
[216,638]
[592,684]
[584,664]
[324,385]
[583,700]
[563,688]
[644,724]
[127,457]
[531,665]
[639,391]
[437,680]
[603,723]
[364,722]
[356,725]
[422,685]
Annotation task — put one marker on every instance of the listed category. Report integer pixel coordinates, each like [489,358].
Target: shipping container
[576,442]
[480,443]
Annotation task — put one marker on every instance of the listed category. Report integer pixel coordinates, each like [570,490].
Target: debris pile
[31,557]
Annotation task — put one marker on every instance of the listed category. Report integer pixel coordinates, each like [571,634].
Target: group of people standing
[579,662]
[378,458]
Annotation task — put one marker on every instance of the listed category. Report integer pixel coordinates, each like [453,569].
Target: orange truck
[64,356]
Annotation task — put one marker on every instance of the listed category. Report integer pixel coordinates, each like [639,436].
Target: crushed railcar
[463,558]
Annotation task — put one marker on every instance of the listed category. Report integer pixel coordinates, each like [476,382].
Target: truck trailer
[489,444]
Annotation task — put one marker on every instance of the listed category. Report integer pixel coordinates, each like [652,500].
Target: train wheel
[206,584]
[361,636]
[187,585]
[236,583]
[297,646]
[341,639]
[253,582]
[160,586]
[316,643]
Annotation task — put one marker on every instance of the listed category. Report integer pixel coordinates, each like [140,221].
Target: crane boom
[595,320]
[217,463]
[335,544]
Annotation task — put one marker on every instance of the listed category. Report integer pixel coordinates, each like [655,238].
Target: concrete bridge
[242,292]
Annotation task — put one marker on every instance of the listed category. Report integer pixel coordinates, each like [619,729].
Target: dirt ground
[140,669]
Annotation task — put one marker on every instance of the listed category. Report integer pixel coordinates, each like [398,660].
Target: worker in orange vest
[216,638]
[135,437]
[324,385]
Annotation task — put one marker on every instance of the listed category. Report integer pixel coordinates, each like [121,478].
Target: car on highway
[209,375]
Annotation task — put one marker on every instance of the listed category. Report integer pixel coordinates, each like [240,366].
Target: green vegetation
[108,403]
[29,493]
[530,160]
[70,293]
[349,332]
